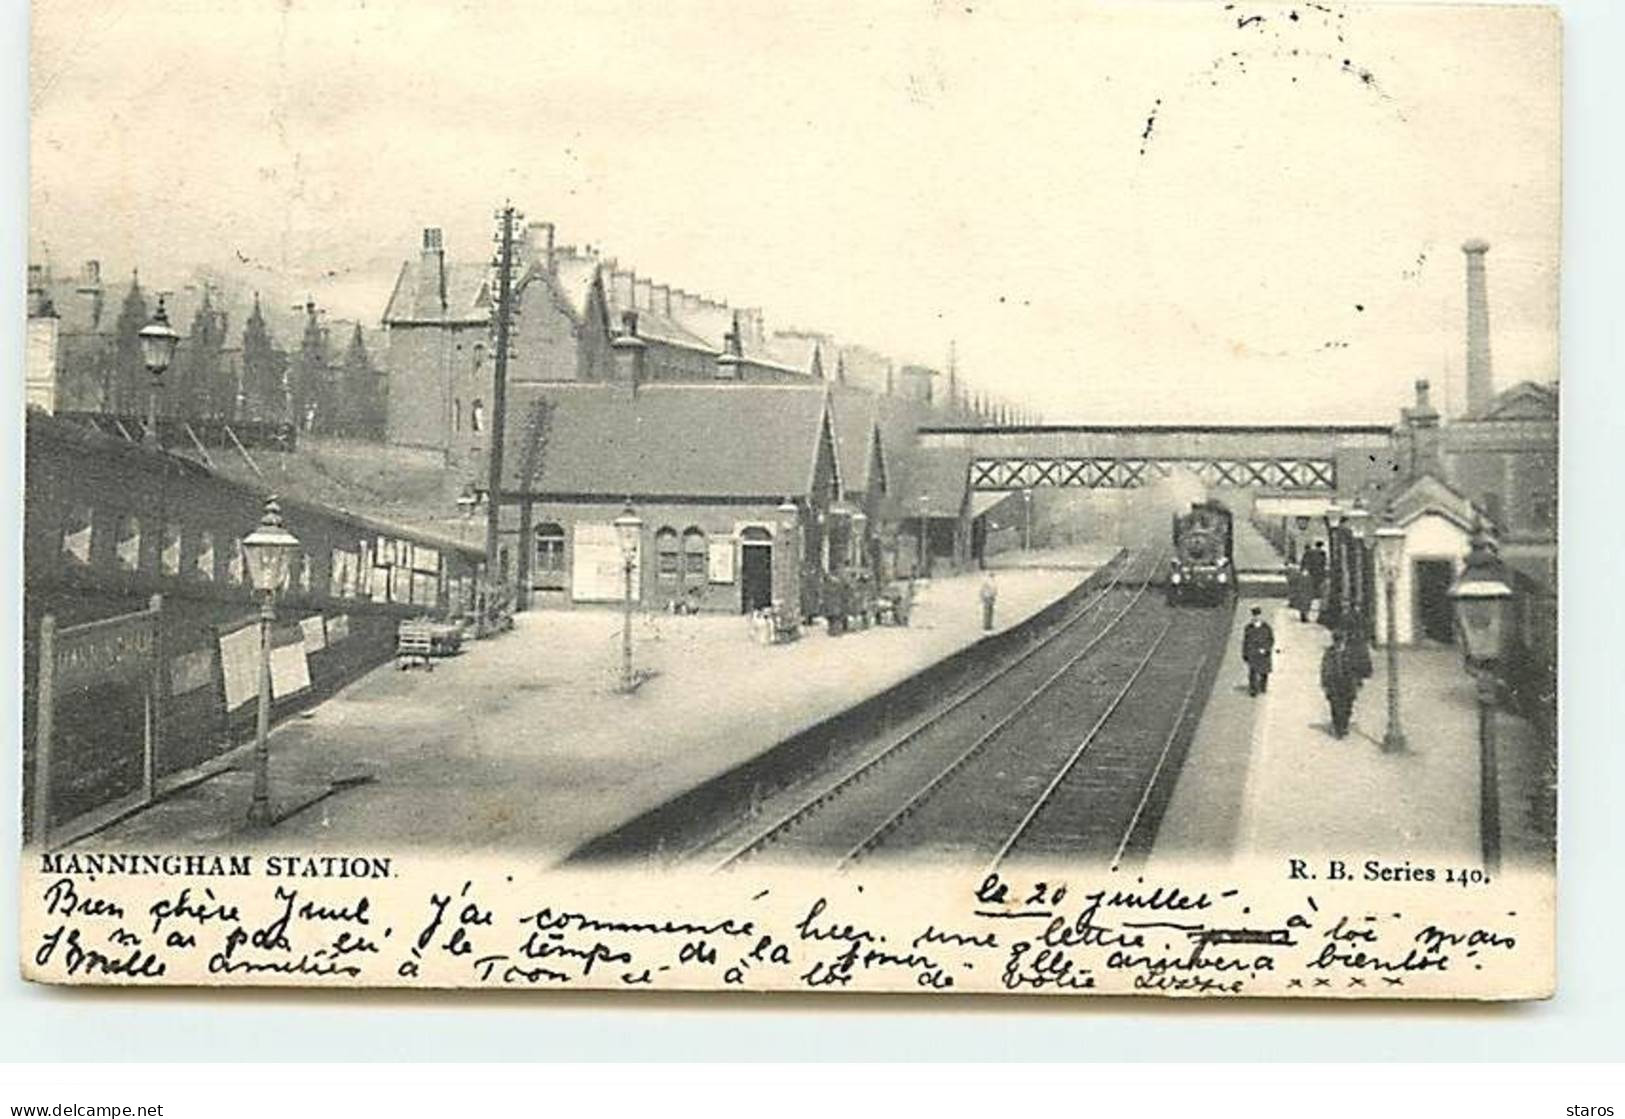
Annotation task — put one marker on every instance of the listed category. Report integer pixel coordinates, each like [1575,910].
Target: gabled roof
[1427,494]
[671,440]
[801,352]
[575,276]
[417,297]
[937,482]
[1526,400]
[656,326]
[858,444]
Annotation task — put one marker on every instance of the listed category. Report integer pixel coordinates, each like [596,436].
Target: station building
[735,486]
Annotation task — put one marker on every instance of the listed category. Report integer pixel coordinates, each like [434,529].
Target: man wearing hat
[1258,650]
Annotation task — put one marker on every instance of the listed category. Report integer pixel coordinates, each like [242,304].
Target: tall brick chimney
[1480,382]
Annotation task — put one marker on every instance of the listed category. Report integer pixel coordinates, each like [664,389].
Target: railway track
[945,781]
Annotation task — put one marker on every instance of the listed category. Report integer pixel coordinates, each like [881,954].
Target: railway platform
[524,744]
[1265,779]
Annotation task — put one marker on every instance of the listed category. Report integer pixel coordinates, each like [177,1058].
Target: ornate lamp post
[1332,603]
[269,551]
[1359,525]
[629,534]
[1390,555]
[158,341]
[1482,599]
[1027,519]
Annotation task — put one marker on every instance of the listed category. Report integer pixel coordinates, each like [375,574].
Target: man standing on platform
[1314,562]
[1299,592]
[1258,650]
[990,596]
[1340,682]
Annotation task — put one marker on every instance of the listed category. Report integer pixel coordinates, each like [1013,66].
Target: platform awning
[982,502]
[1305,506]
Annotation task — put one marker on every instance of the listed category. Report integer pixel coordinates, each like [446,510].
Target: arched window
[203,565]
[476,416]
[668,559]
[235,569]
[693,555]
[549,549]
[129,543]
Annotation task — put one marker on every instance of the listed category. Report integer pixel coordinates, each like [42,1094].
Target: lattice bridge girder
[1020,472]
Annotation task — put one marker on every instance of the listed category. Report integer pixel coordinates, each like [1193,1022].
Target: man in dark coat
[1340,683]
[1258,650]
[1314,563]
[1299,592]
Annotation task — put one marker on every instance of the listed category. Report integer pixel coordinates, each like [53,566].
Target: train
[1203,567]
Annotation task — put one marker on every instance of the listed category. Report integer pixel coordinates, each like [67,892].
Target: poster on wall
[240,665]
[290,670]
[719,560]
[597,573]
[315,633]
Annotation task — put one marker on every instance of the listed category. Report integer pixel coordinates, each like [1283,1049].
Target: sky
[1162,212]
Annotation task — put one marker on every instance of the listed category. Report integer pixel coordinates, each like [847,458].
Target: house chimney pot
[540,235]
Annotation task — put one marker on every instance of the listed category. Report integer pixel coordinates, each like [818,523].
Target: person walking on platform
[990,596]
[1258,650]
[1339,682]
[1299,592]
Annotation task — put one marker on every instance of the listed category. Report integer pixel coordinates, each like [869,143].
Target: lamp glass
[158,342]
[628,529]
[1359,522]
[1481,606]
[1390,549]
[269,552]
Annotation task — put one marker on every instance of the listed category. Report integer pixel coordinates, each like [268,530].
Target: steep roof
[417,297]
[937,482]
[853,418]
[671,440]
[1427,493]
[1526,400]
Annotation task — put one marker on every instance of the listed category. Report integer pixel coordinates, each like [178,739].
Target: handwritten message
[363,920]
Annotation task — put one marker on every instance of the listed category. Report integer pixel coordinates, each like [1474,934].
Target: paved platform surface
[1253,551]
[1264,777]
[523,744]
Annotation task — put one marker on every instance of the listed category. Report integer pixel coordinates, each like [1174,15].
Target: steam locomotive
[1203,565]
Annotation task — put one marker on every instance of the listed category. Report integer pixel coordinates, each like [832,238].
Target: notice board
[596,571]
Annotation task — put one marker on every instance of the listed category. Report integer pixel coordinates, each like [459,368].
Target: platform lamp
[269,552]
[1331,590]
[1390,557]
[158,341]
[1359,525]
[628,534]
[1483,600]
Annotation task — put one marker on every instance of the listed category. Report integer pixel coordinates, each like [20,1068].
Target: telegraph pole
[503,321]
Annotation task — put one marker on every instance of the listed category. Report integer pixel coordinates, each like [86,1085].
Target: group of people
[1346,663]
